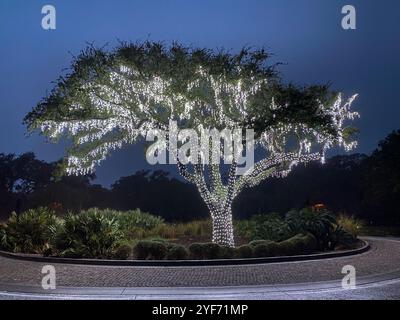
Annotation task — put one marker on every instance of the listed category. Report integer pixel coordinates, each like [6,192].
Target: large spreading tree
[111,99]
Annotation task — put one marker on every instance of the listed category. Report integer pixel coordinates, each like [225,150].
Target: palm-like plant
[319,223]
[31,231]
[90,234]
[3,237]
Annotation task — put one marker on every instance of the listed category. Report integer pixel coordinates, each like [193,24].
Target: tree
[20,177]
[23,174]
[382,181]
[113,98]
[175,198]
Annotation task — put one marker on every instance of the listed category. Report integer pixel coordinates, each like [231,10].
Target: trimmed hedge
[227,252]
[160,249]
[244,251]
[258,242]
[299,244]
[287,248]
[122,250]
[205,251]
[150,250]
[212,250]
[177,252]
[269,249]
[196,251]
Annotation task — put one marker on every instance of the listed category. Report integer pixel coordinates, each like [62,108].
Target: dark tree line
[26,182]
[365,186]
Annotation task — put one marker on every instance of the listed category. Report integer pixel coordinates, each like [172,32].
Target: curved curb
[187,263]
[280,291]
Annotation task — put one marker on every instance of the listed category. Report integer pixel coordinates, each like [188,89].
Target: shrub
[177,252]
[47,250]
[160,240]
[122,250]
[136,219]
[311,243]
[270,227]
[196,251]
[244,251]
[3,237]
[314,221]
[226,252]
[320,223]
[244,229]
[150,250]
[297,245]
[133,223]
[350,224]
[90,234]
[305,244]
[257,242]
[31,231]
[341,238]
[287,248]
[205,250]
[266,250]
[75,252]
[212,250]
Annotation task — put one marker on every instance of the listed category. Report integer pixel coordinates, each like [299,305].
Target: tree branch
[272,166]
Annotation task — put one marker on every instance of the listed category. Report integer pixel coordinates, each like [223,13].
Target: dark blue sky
[305,34]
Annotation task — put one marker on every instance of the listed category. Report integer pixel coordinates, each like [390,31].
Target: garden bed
[134,235]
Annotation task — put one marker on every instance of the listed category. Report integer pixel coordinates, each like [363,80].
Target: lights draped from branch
[123,104]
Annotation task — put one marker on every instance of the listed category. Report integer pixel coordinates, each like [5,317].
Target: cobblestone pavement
[383,258]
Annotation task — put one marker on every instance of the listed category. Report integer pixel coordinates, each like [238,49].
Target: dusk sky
[306,35]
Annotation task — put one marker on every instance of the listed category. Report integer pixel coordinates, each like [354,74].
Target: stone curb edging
[186,263]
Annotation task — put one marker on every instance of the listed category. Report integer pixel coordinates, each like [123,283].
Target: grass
[358,227]
[350,224]
[184,233]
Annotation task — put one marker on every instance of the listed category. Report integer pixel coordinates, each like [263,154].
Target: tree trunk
[223,228]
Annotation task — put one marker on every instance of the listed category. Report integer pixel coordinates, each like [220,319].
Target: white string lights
[125,104]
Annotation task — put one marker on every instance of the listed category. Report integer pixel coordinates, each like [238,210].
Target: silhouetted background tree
[365,186]
[381,181]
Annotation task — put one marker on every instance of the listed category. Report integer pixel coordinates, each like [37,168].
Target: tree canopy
[113,98]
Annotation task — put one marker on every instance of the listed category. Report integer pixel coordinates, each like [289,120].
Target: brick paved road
[384,257]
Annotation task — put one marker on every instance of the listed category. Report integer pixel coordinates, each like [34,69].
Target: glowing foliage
[113,99]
